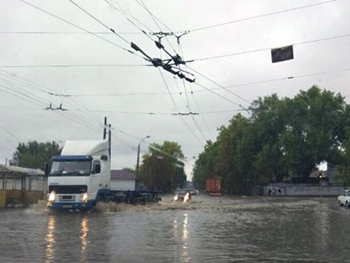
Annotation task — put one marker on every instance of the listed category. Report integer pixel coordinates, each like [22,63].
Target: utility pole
[138,155]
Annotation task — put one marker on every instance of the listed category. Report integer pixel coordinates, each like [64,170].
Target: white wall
[303,190]
[123,185]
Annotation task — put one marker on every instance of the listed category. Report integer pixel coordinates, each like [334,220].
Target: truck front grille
[68,189]
[67,198]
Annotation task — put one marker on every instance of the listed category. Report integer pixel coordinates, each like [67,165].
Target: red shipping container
[213,186]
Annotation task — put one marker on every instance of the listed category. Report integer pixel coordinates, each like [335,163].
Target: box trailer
[213,186]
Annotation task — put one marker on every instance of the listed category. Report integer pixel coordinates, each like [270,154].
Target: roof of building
[122,175]
[20,170]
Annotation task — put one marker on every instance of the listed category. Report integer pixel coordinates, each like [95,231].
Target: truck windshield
[67,168]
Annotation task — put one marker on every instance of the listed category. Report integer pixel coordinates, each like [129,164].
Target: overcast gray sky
[60,47]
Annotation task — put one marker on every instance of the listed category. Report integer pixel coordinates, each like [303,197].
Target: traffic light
[282,53]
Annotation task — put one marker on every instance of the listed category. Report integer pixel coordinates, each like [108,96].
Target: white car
[344,198]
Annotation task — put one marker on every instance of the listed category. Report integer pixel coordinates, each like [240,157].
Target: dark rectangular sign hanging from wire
[282,53]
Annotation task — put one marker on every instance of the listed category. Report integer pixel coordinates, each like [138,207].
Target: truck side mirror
[104,157]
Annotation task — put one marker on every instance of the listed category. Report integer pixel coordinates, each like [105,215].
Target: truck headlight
[52,196]
[84,197]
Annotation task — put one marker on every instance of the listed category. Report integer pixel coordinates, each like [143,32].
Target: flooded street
[207,229]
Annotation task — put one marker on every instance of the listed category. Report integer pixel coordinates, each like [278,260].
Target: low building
[19,185]
[122,180]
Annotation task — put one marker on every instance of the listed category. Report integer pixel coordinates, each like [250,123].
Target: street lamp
[138,154]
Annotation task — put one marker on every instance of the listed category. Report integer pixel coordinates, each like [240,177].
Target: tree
[315,128]
[344,167]
[282,138]
[233,163]
[205,164]
[162,168]
[296,134]
[268,125]
[34,154]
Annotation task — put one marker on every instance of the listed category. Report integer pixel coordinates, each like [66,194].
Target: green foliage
[34,154]
[344,168]
[315,130]
[205,165]
[162,168]
[282,138]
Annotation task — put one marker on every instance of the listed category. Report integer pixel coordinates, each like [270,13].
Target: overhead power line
[119,9]
[171,65]
[223,97]
[65,33]
[178,61]
[189,128]
[167,87]
[76,26]
[286,78]
[99,21]
[221,86]
[155,19]
[71,66]
[185,113]
[269,48]
[167,65]
[14,136]
[196,91]
[260,16]
[16,86]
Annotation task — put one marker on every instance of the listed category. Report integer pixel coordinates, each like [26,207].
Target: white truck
[344,198]
[80,176]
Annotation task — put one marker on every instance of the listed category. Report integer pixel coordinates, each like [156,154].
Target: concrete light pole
[138,155]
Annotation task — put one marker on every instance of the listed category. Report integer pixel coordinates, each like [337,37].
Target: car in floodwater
[344,198]
[182,195]
[192,191]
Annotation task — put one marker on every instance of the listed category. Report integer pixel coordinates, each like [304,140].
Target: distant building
[122,180]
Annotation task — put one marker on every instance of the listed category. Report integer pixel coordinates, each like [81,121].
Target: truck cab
[80,176]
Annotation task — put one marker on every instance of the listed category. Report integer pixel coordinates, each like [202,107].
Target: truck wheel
[346,203]
[340,204]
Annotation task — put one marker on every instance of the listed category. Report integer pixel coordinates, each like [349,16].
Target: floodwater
[206,229]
